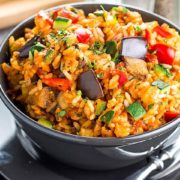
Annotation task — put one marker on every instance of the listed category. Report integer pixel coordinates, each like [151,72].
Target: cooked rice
[70,60]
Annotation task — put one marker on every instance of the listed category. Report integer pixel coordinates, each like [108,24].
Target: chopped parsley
[62,113]
[91,65]
[111,48]
[138,29]
[98,48]
[150,106]
[100,75]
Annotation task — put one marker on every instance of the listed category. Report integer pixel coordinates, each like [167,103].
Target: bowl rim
[92,141]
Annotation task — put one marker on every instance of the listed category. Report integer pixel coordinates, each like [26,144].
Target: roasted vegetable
[111,48]
[165,54]
[24,50]
[83,35]
[136,67]
[107,117]
[45,123]
[160,31]
[67,14]
[169,115]
[58,83]
[38,47]
[61,23]
[88,83]
[42,98]
[135,47]
[160,70]
[136,110]
[101,105]
[49,56]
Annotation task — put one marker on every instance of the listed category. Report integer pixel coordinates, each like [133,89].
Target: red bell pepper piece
[83,35]
[147,35]
[122,77]
[58,83]
[43,15]
[169,115]
[165,54]
[150,57]
[160,31]
[68,14]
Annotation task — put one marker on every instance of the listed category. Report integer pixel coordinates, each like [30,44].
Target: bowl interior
[18,31]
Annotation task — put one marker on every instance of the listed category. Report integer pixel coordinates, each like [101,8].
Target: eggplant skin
[135,47]
[24,50]
[89,85]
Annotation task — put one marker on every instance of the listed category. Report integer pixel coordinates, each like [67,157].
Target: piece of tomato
[70,15]
[147,35]
[122,79]
[58,83]
[169,115]
[45,17]
[165,54]
[83,35]
[163,33]
[150,57]
[122,76]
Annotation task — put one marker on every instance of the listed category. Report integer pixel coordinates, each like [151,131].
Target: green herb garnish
[150,106]
[100,75]
[111,48]
[99,13]
[98,48]
[62,113]
[138,29]
[116,58]
[91,65]
[102,7]
[38,47]
[49,56]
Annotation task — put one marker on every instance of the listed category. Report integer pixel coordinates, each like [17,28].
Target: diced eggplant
[24,51]
[136,67]
[135,47]
[89,85]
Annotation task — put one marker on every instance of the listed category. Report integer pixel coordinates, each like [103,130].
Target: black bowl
[85,152]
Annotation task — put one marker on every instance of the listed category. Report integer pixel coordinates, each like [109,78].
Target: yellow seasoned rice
[68,109]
